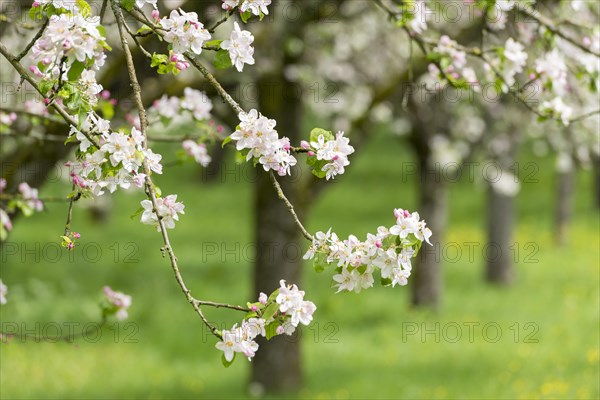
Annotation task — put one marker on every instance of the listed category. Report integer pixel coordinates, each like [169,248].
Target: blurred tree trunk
[499,250]
[426,281]
[564,204]
[498,255]
[276,368]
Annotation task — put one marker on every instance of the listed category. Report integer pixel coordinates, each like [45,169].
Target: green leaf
[46,86]
[320,262]
[222,60]
[251,314]
[144,29]
[270,311]
[71,139]
[315,133]
[137,213]
[213,43]
[226,140]
[226,363]
[246,16]
[158,59]
[128,4]
[386,282]
[271,329]
[76,70]
[273,296]
[84,8]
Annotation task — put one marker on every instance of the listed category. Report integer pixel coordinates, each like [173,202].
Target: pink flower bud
[46,61]
[310,153]
[304,144]
[36,71]
[219,128]
[180,65]
[254,307]
[336,157]
[406,214]
[76,235]
[532,76]
[71,245]
[155,14]
[174,57]
[280,330]
[113,102]
[46,101]
[36,4]
[287,147]
[378,243]
[262,298]
[105,94]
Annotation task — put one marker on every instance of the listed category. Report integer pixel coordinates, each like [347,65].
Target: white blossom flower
[142,3]
[30,197]
[168,208]
[118,300]
[69,38]
[3,290]
[558,109]
[256,6]
[197,102]
[198,151]
[184,32]
[239,46]
[166,106]
[257,134]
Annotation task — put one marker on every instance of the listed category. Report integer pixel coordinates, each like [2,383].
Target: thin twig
[149,184]
[222,20]
[70,211]
[289,206]
[39,34]
[221,305]
[549,24]
[24,75]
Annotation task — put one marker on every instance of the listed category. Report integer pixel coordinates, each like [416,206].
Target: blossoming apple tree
[61,62]
[547,66]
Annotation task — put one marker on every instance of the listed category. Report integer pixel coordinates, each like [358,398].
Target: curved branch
[150,191]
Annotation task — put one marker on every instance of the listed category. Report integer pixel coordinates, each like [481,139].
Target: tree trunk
[497,251]
[426,281]
[564,204]
[276,368]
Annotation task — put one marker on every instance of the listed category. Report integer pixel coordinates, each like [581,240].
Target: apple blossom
[197,102]
[239,46]
[118,303]
[184,32]
[255,6]
[198,151]
[142,3]
[3,291]
[389,251]
[30,197]
[167,208]
[256,134]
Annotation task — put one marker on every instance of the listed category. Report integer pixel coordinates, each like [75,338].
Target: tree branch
[149,184]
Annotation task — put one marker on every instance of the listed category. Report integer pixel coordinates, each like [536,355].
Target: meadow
[538,338]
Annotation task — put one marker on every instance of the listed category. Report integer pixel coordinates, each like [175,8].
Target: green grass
[360,346]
